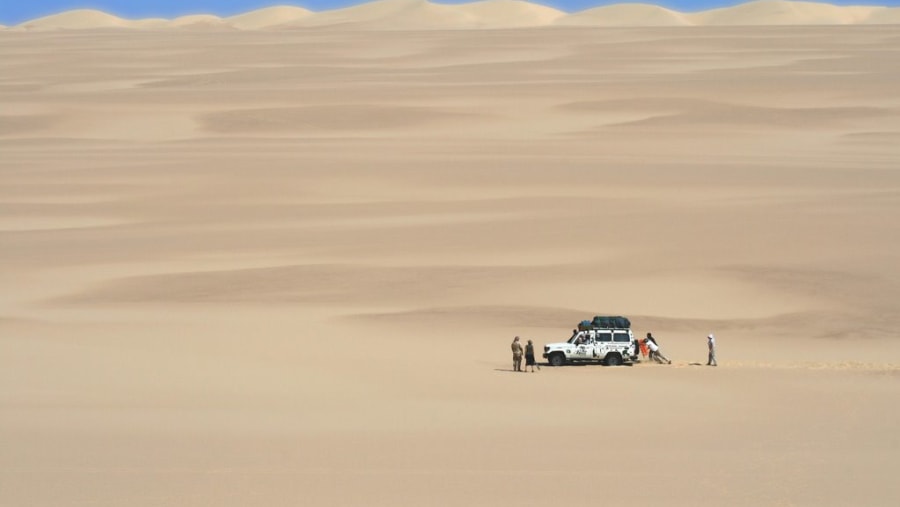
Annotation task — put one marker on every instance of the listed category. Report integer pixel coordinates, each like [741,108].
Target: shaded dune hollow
[712,113]
[342,117]
[309,283]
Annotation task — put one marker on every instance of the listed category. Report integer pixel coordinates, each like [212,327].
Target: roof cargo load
[610,322]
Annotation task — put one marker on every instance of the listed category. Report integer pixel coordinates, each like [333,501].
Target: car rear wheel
[613,359]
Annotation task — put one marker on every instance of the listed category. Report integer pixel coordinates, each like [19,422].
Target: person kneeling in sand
[655,353]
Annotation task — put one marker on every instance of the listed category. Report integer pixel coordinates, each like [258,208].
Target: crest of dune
[510,13]
[150,23]
[625,15]
[198,21]
[78,19]
[421,14]
[387,14]
[883,16]
[489,14]
[268,17]
[781,12]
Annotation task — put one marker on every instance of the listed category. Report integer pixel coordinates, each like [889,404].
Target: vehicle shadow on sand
[571,365]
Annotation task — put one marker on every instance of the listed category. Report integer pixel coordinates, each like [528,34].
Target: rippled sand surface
[284,268]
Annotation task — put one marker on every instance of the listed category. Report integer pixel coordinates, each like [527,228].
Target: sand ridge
[268,17]
[487,14]
[626,15]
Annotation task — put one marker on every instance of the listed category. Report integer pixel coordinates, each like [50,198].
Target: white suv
[609,346]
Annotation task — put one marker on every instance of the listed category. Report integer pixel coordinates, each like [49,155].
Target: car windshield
[579,338]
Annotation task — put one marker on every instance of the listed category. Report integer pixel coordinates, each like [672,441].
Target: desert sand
[250,267]
[483,14]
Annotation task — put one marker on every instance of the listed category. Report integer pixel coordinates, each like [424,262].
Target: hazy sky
[16,11]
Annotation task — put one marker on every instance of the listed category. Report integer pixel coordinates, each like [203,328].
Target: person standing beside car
[529,356]
[517,354]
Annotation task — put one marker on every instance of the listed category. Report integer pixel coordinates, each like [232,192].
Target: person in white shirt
[655,353]
[711,344]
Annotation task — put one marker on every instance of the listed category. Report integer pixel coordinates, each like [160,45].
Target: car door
[585,350]
[623,343]
[604,343]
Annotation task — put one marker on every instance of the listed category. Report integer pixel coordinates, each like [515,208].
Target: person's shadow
[510,370]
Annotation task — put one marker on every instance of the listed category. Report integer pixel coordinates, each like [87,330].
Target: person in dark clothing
[529,356]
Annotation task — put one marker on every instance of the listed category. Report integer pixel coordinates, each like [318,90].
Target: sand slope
[199,22]
[782,12]
[510,13]
[884,16]
[625,15]
[421,14]
[75,20]
[410,14]
[284,267]
[268,17]
[488,14]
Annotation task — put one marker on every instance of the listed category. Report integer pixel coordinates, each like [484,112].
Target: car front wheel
[557,359]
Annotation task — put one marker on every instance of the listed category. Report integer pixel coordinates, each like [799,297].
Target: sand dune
[884,16]
[78,19]
[488,14]
[625,15]
[151,23]
[199,22]
[284,267]
[422,14]
[268,17]
[510,13]
[409,14]
[783,12]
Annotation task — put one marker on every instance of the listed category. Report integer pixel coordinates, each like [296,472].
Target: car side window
[604,337]
[621,337]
